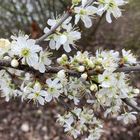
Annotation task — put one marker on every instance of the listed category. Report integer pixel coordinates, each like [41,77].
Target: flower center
[125,59]
[36,94]
[101,1]
[51,89]
[25,52]
[112,4]
[82,12]
[106,78]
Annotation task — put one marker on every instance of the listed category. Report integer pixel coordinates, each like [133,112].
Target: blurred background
[26,121]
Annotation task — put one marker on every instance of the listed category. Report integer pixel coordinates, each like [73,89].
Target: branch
[6,63]
[97,26]
[123,69]
[66,106]
[131,104]
[64,17]
[129,69]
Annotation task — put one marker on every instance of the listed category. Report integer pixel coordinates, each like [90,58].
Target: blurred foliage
[21,14]
[133,38]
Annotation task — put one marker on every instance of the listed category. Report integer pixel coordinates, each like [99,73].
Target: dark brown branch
[129,69]
[5,63]
[66,106]
[97,26]
[25,68]
[129,103]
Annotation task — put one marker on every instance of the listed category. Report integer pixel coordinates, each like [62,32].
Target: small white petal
[87,21]
[108,17]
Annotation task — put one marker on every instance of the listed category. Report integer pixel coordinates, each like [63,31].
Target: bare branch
[5,63]
[66,15]
[129,69]
[131,104]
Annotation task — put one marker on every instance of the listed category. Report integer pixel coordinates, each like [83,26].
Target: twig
[5,63]
[21,67]
[129,69]
[66,106]
[64,17]
[129,103]
[97,26]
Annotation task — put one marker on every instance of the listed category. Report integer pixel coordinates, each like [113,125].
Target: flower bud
[93,87]
[59,60]
[14,63]
[99,61]
[4,43]
[84,76]
[90,64]
[64,57]
[75,2]
[98,68]
[37,84]
[81,68]
[61,74]
[6,58]
[136,91]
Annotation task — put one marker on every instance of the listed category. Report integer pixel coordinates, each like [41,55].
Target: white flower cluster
[66,35]
[103,60]
[82,80]
[52,89]
[82,121]
[65,38]
[109,87]
[25,50]
[7,88]
[85,12]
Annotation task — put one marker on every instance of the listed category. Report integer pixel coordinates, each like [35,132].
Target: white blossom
[53,22]
[85,13]
[95,134]
[37,94]
[26,49]
[107,79]
[54,89]
[111,7]
[7,88]
[128,117]
[61,74]
[128,57]
[65,39]
[43,61]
